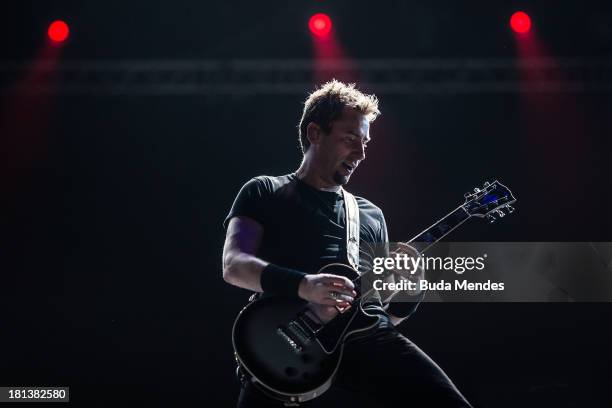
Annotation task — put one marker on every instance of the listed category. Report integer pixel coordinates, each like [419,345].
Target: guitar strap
[352,229]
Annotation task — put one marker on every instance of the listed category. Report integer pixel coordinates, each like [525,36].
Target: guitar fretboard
[439,230]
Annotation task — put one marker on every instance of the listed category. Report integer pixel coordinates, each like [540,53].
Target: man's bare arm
[240,265]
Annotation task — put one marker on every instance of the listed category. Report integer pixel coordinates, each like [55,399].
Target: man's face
[340,152]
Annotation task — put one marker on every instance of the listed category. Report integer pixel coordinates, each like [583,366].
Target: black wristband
[405,305]
[276,280]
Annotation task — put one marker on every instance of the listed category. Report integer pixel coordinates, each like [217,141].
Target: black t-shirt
[305,228]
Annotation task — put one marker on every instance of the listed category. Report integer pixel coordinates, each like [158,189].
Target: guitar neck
[440,229]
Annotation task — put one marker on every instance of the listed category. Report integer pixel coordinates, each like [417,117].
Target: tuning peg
[500,213]
[467,195]
[491,218]
[510,209]
[486,184]
[476,190]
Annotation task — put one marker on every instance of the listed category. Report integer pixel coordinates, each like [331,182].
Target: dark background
[112,205]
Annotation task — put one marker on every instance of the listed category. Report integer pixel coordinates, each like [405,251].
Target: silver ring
[333,294]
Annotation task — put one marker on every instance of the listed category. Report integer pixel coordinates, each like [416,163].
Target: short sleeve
[251,201]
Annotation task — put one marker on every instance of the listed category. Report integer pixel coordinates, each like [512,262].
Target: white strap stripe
[352,228]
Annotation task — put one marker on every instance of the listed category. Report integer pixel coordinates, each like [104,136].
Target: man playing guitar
[281,230]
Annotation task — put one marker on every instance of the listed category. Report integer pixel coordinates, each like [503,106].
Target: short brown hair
[325,105]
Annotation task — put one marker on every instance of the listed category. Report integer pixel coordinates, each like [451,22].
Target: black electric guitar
[291,355]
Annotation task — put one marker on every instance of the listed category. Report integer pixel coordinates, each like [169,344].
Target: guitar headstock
[490,201]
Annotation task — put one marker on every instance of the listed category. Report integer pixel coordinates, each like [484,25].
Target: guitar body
[286,352]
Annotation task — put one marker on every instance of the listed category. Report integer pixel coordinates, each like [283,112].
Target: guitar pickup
[301,333]
[294,346]
[296,334]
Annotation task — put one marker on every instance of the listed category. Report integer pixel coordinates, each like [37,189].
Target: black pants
[384,365]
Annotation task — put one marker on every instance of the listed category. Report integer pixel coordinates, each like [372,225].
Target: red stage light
[520,22]
[58,31]
[320,24]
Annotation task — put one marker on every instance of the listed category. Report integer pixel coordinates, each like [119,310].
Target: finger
[337,280]
[344,299]
[340,298]
[342,289]
[342,306]
[328,301]
[333,279]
